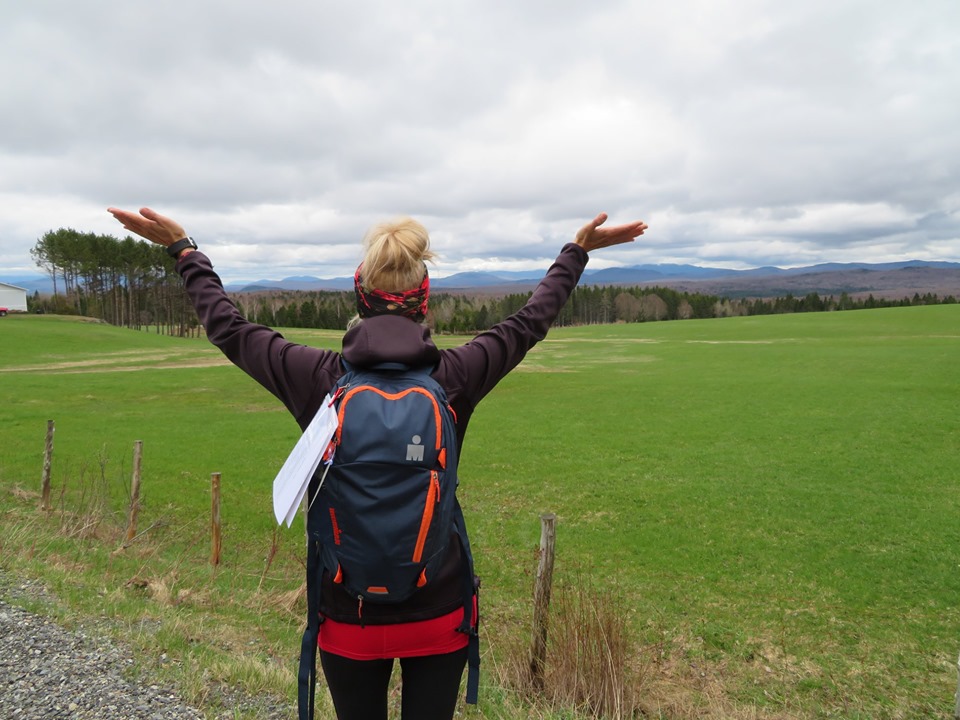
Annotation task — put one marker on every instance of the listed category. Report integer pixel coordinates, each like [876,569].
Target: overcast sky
[745,132]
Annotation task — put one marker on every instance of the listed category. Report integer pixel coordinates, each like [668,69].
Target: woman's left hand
[150,225]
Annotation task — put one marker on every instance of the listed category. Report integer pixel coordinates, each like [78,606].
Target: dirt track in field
[113,362]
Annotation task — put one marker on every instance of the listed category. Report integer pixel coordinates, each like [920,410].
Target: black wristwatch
[181,245]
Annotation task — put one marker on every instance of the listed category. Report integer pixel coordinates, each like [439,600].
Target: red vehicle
[3,311]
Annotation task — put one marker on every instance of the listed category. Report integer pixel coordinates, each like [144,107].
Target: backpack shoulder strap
[307,674]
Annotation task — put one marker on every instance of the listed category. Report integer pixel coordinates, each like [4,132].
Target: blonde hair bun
[394,255]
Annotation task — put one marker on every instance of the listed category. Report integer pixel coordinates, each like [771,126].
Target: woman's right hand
[150,225]
[593,236]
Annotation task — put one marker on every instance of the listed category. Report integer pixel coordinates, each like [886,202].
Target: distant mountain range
[825,278]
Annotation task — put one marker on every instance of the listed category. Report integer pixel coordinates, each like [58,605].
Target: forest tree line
[126,282]
[133,284]
[466,312]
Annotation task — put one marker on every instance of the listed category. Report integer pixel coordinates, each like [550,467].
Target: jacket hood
[389,338]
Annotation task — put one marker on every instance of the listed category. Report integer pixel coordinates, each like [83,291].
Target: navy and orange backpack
[383,506]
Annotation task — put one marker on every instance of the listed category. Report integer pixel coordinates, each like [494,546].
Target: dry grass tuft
[593,666]
[291,601]
[164,591]
[21,494]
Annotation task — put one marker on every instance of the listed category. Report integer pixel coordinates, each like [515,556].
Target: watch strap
[180,245]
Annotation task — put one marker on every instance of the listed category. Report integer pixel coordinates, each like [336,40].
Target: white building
[13,297]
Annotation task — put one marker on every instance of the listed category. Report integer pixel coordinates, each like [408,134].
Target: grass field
[772,502]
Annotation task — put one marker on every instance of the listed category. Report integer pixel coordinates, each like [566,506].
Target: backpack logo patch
[415,450]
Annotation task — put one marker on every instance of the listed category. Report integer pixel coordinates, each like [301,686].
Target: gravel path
[47,672]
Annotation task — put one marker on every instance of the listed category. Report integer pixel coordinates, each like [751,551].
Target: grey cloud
[504,124]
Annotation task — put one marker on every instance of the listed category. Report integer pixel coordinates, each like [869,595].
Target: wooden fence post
[135,490]
[47,462]
[215,519]
[541,599]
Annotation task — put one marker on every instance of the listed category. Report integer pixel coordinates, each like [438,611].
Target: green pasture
[773,500]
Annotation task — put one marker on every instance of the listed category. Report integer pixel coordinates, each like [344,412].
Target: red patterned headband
[408,303]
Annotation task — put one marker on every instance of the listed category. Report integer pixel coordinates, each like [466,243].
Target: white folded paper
[292,481]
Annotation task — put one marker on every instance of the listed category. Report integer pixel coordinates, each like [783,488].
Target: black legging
[430,686]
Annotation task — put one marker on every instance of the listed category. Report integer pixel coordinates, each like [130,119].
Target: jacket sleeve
[476,367]
[298,375]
